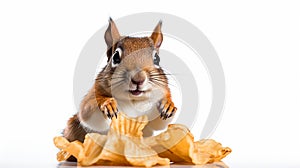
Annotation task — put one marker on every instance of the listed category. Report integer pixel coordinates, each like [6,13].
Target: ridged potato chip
[124,145]
[177,144]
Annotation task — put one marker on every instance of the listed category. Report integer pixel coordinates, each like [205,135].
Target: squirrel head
[127,44]
[133,64]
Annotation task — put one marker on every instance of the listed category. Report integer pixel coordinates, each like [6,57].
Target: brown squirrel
[131,82]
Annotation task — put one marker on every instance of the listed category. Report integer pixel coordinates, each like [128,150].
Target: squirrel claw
[167,109]
[109,108]
[110,114]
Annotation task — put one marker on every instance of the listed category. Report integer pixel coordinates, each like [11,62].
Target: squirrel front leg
[166,107]
[95,102]
[95,110]
[92,116]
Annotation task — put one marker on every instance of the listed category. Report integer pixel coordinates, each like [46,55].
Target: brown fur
[100,95]
[74,131]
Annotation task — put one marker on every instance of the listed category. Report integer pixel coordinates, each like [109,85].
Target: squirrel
[131,82]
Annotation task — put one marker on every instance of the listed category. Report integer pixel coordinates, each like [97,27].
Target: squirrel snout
[138,82]
[139,78]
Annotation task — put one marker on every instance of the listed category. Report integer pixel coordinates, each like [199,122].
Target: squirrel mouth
[136,92]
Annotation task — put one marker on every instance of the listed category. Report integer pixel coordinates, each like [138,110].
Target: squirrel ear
[112,34]
[157,35]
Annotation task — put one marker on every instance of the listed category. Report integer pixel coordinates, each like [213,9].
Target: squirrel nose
[138,82]
[139,78]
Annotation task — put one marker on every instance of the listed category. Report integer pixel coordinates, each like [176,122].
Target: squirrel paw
[167,109]
[109,108]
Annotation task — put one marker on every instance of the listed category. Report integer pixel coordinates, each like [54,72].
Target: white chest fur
[99,123]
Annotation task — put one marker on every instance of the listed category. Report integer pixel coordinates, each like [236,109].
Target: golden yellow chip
[124,145]
[177,144]
[62,155]
[209,149]
[139,154]
[123,125]
[92,148]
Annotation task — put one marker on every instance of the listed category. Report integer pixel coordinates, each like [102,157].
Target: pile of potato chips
[125,145]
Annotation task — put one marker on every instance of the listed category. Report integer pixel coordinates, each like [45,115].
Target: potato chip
[62,155]
[123,125]
[92,148]
[113,149]
[208,151]
[177,144]
[124,145]
[140,154]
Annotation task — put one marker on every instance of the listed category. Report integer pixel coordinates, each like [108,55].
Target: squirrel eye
[116,58]
[156,58]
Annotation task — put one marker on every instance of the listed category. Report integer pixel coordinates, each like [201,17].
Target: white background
[258,43]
